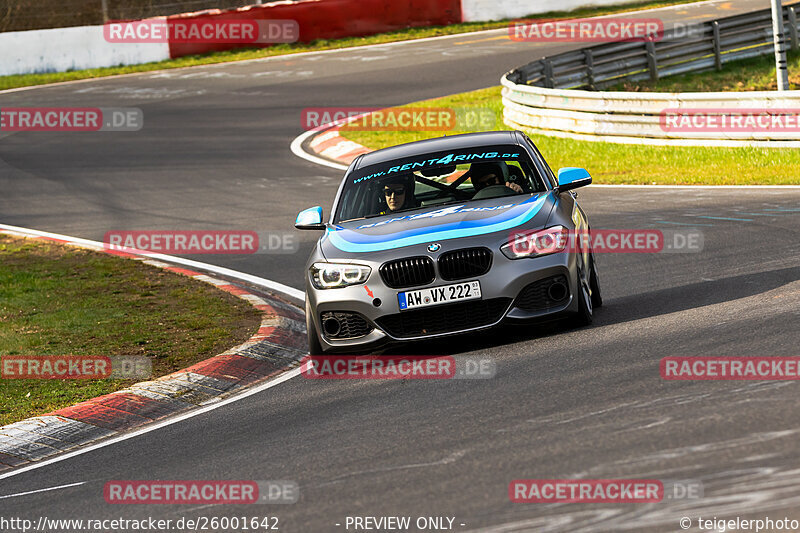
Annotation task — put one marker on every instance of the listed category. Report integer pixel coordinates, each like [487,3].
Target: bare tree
[20,15]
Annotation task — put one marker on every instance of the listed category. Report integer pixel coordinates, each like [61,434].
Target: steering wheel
[494,191]
[453,188]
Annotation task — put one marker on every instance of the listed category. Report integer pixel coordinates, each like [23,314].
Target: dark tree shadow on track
[675,299]
[614,311]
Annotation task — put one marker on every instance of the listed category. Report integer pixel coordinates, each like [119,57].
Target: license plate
[469,290]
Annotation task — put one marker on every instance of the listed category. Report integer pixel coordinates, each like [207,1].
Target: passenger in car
[485,175]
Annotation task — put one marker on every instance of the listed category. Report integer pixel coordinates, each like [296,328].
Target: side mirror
[571,178]
[310,219]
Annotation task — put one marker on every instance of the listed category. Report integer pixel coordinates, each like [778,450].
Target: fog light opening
[557,291]
[332,326]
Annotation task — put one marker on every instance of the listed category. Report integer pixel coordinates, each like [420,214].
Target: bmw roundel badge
[434,247]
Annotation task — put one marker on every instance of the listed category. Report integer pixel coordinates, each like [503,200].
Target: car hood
[439,223]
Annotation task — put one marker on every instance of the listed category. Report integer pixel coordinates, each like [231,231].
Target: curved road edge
[277,347]
[325,146]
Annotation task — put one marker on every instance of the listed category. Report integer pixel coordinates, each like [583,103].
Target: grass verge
[25,80]
[754,74]
[60,300]
[621,163]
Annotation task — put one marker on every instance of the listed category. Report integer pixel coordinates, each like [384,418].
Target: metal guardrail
[710,46]
[541,95]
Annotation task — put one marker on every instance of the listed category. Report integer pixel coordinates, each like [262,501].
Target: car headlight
[337,275]
[536,243]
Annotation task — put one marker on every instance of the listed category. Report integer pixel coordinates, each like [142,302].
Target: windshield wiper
[451,202]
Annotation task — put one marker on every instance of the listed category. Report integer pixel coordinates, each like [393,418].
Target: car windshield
[438,179]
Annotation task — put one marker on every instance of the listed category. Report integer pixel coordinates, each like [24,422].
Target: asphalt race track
[565,403]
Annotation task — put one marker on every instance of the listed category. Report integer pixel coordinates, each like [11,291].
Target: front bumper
[501,289]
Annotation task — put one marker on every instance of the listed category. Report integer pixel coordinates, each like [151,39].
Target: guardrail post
[548,74]
[589,57]
[652,61]
[793,28]
[779,45]
[518,76]
[717,46]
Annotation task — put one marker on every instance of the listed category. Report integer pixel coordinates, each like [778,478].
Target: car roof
[439,144]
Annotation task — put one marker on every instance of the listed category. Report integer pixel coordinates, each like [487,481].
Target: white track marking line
[41,490]
[277,381]
[269,284]
[295,146]
[297,149]
[210,407]
[289,57]
[284,57]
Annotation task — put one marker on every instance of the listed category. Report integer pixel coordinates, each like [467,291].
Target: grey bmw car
[446,236]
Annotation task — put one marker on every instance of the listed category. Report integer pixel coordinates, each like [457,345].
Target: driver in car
[484,175]
[399,194]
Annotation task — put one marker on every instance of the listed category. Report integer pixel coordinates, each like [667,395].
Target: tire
[594,284]
[585,309]
[314,346]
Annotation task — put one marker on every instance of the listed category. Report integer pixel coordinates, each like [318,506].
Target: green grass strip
[61,300]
